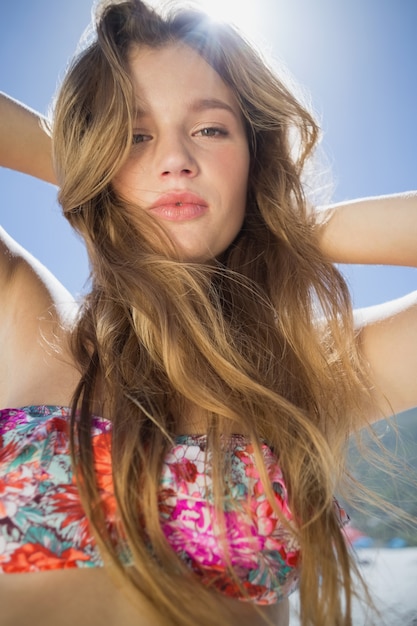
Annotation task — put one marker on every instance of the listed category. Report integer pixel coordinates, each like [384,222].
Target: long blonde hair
[267,326]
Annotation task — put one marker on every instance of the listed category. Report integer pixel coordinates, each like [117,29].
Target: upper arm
[33,306]
[371,231]
[22,274]
[388,341]
[25,145]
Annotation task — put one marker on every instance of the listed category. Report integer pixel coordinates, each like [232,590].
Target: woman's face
[188,165]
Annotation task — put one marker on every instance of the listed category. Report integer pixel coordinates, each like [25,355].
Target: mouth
[179,206]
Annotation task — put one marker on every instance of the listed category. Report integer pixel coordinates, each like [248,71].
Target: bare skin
[28,151]
[36,367]
[90,598]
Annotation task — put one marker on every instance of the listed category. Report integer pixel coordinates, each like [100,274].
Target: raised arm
[34,306]
[25,145]
[382,231]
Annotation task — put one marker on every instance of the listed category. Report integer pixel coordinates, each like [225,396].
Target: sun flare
[240,13]
[245,15]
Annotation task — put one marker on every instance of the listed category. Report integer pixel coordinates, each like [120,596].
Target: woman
[173,447]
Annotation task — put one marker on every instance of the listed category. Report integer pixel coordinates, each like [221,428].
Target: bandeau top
[43,525]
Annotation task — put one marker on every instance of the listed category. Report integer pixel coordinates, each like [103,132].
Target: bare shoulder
[36,312]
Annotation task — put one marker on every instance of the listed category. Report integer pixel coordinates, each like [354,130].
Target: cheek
[125,183]
[120,183]
[238,177]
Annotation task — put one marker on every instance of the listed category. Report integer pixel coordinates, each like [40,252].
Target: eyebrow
[196,106]
[211,103]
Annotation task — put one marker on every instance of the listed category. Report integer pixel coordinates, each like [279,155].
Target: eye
[140,138]
[212,131]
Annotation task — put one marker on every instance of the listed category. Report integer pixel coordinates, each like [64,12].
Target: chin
[197,256]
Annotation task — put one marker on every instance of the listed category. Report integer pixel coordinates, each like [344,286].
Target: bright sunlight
[245,15]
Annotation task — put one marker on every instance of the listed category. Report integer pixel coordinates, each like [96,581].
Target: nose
[175,157]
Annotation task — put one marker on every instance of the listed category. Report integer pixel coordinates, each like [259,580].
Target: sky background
[356,58]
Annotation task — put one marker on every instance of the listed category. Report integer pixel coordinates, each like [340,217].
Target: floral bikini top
[43,525]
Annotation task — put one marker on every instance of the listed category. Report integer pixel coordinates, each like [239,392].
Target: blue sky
[356,58]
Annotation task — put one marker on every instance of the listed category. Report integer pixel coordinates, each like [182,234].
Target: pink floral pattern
[263,551]
[43,525]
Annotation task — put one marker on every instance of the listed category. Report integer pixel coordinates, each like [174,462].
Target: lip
[179,206]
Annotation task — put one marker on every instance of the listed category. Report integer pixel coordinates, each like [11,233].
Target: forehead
[176,72]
